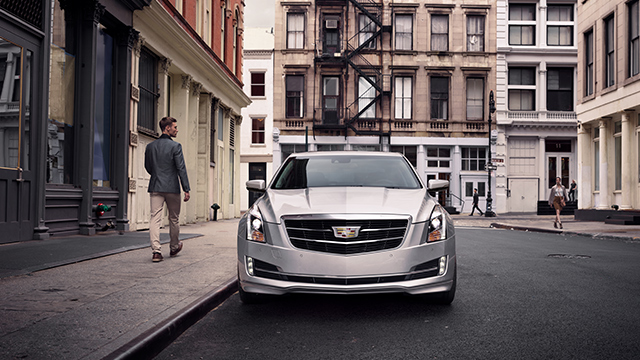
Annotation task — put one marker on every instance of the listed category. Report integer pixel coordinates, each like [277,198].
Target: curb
[525,228]
[151,342]
[572,233]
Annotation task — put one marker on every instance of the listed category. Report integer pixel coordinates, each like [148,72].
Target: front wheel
[446,297]
[248,297]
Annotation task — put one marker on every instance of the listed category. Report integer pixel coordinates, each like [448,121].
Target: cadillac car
[346,223]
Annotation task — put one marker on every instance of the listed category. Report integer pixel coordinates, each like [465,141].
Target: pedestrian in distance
[476,198]
[557,200]
[164,161]
[572,191]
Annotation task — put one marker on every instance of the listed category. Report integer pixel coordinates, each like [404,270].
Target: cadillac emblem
[346,232]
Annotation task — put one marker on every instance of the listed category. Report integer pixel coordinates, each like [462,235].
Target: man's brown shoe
[157,257]
[177,250]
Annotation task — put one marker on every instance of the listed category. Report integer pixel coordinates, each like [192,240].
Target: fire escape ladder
[358,62]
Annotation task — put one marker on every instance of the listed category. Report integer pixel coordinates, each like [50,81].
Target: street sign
[491,167]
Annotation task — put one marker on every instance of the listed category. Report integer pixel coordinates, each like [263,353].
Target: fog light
[443,265]
[250,265]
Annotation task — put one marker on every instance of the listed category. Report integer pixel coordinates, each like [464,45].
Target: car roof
[346,153]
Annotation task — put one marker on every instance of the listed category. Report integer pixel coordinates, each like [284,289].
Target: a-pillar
[603,202]
[584,169]
[626,161]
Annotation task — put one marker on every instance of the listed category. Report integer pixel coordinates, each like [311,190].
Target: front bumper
[279,268]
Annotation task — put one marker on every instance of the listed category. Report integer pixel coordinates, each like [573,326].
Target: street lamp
[490,166]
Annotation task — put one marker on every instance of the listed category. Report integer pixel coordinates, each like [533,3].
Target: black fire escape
[368,41]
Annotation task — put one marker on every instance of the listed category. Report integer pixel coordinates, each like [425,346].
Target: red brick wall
[189,12]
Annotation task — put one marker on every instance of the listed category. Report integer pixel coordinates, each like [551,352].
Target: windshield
[344,170]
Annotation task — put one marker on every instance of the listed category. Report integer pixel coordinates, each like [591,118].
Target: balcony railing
[541,115]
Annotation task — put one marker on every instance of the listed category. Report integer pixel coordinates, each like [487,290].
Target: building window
[329,147]
[588,63]
[439,32]
[438,157]
[257,130]
[410,152]
[560,25]
[634,38]
[404,32]
[232,163]
[295,31]
[475,98]
[330,99]
[522,24]
[596,163]
[475,33]
[365,147]
[366,97]
[148,84]
[235,43]
[474,158]
[220,123]
[522,88]
[439,98]
[609,47]
[368,31]
[212,134]
[288,149]
[257,84]
[560,89]
[331,35]
[295,96]
[403,90]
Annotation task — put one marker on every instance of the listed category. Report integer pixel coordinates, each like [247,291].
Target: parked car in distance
[346,223]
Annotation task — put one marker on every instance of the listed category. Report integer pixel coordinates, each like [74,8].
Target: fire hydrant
[215,208]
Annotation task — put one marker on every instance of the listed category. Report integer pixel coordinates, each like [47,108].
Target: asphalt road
[520,296]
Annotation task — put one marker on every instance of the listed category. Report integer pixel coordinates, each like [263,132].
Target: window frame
[482,79]
[467,159]
[258,134]
[554,93]
[295,32]
[439,160]
[371,112]
[609,51]
[588,63]
[398,34]
[559,24]
[337,97]
[366,32]
[520,88]
[433,102]
[520,24]
[289,97]
[258,85]
[148,126]
[439,34]
[481,35]
[403,98]
[633,46]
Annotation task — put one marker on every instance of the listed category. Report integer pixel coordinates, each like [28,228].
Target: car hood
[346,200]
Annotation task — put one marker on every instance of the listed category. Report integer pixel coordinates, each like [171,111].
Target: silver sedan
[346,223]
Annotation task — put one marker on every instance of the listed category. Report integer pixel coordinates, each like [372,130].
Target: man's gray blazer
[164,162]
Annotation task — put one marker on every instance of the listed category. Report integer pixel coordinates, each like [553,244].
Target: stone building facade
[609,104]
[406,76]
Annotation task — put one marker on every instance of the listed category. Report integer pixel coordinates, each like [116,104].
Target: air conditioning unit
[331,24]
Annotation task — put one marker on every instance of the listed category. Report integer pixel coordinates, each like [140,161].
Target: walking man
[163,160]
[475,203]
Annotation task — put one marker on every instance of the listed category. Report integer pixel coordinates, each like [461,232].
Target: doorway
[558,166]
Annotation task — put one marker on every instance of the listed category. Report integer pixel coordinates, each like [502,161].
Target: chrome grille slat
[374,235]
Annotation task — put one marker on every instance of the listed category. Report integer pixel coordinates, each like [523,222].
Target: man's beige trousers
[173,206]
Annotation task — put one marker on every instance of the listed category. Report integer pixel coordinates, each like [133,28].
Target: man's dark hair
[166,121]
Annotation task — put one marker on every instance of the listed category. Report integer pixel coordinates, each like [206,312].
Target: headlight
[437,225]
[255,229]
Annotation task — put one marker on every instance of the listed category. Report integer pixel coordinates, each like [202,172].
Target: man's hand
[186,196]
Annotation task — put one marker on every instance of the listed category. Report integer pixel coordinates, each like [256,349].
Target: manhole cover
[569,256]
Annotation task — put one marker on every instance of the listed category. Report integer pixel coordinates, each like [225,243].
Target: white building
[256,152]
[535,101]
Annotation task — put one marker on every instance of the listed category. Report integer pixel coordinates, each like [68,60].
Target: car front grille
[373,235]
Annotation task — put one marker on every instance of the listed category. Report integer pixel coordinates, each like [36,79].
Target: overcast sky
[259,13]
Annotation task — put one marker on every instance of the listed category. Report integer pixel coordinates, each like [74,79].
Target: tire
[248,297]
[446,297]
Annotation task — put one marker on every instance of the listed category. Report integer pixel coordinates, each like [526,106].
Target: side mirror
[256,185]
[437,185]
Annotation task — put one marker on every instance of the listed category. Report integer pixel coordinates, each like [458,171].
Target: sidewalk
[109,295]
[102,297]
